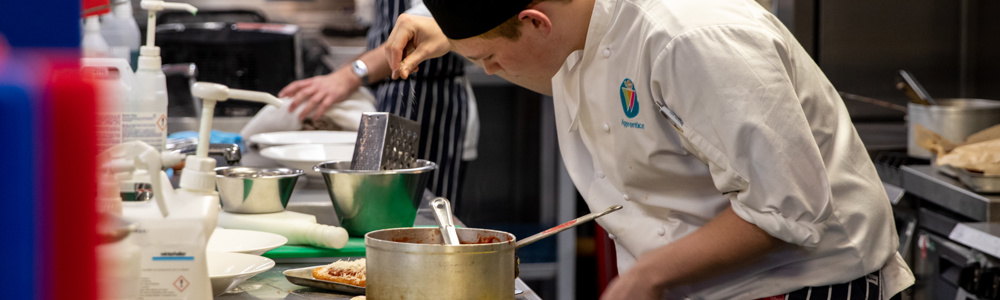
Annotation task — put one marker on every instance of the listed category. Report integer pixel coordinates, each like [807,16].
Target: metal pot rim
[222,172]
[388,245]
[957,104]
[427,166]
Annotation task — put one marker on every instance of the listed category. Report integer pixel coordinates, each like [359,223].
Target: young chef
[741,174]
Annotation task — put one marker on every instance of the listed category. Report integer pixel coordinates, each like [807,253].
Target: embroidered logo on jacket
[630,102]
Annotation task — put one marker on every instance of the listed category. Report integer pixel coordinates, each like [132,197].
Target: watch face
[359,68]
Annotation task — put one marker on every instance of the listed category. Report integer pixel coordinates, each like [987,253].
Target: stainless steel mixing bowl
[371,200]
[255,190]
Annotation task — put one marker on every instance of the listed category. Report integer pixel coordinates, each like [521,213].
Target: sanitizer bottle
[148,122]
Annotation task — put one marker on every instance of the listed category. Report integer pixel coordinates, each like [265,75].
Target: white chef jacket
[756,127]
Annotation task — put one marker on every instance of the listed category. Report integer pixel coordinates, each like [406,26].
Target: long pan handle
[564,226]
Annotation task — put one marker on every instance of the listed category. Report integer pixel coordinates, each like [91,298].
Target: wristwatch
[361,69]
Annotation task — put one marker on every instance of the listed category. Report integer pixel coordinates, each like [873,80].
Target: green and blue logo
[630,103]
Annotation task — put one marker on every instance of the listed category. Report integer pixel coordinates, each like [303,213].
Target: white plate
[228,270]
[304,157]
[303,137]
[244,241]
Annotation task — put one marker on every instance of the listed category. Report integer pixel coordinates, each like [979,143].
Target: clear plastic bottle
[121,32]
[93,44]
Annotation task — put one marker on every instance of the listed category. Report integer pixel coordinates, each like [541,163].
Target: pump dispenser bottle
[150,125]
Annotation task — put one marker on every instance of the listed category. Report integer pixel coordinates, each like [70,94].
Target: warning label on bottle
[109,130]
[116,128]
[181,283]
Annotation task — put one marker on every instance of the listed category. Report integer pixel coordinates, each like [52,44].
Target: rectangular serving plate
[303,277]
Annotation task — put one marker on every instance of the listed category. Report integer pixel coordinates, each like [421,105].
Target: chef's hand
[632,286]
[320,92]
[413,40]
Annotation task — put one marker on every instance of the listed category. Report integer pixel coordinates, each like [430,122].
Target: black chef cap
[461,19]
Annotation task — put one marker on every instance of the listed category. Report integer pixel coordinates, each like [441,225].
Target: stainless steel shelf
[927,183]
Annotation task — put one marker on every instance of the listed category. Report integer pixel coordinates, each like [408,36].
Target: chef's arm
[726,243]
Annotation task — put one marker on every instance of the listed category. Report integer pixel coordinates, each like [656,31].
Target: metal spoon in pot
[442,212]
[564,226]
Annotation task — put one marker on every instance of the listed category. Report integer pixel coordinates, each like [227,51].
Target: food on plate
[987,134]
[359,298]
[346,272]
[980,157]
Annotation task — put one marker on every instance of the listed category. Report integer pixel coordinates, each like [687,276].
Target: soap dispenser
[172,229]
[150,82]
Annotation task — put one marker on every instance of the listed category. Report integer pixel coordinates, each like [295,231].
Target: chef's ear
[538,20]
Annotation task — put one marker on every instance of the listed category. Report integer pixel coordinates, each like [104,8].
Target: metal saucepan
[952,118]
[413,263]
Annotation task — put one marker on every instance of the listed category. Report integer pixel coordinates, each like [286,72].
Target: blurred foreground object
[47,123]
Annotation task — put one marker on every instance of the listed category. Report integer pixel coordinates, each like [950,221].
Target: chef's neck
[581,12]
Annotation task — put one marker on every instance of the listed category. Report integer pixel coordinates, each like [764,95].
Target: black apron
[438,102]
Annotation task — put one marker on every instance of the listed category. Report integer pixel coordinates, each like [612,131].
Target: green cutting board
[355,248]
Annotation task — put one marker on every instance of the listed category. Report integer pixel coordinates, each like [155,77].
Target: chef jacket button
[607,127]
[661,231]
[607,52]
[626,197]
[611,236]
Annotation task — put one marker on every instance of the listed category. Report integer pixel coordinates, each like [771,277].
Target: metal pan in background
[303,277]
[978,182]
[954,119]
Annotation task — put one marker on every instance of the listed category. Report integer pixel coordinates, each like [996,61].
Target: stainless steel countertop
[927,183]
[310,197]
[273,285]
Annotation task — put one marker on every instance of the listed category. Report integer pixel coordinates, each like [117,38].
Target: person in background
[437,96]
[740,172]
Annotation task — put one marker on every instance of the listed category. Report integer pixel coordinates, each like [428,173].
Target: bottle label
[173,264]
[116,128]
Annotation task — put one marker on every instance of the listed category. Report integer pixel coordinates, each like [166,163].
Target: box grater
[385,142]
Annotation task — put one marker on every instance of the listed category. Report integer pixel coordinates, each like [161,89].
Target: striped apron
[435,96]
[866,287]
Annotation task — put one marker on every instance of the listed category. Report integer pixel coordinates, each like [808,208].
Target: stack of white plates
[227,270]
[306,156]
[234,256]
[244,241]
[269,139]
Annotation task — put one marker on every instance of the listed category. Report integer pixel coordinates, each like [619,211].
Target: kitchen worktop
[927,183]
[310,197]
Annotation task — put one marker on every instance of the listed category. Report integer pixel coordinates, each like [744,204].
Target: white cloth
[345,115]
[759,128]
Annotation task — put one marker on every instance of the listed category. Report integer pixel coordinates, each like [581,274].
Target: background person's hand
[413,40]
[318,93]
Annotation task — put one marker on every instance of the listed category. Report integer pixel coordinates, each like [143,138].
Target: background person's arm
[320,92]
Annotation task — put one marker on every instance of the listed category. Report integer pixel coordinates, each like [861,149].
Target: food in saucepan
[346,272]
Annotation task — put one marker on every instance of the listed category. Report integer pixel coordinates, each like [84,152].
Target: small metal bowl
[374,200]
[255,190]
